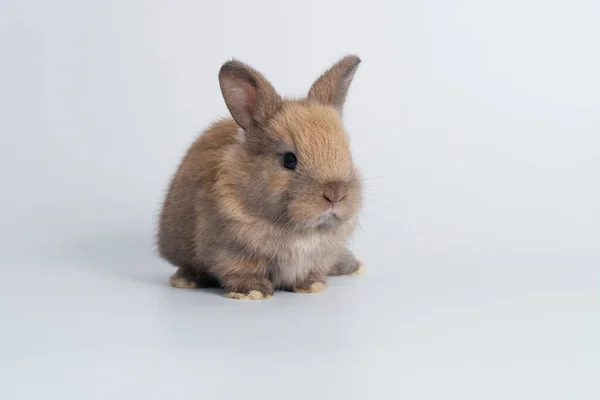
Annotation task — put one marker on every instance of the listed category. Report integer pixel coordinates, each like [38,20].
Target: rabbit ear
[331,87]
[250,98]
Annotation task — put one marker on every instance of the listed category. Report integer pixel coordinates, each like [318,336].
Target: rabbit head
[294,166]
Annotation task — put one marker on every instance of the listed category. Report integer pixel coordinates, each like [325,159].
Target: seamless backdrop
[476,125]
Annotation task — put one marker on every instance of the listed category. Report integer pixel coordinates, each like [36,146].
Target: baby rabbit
[266,200]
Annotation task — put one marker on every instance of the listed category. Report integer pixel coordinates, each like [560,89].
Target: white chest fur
[297,258]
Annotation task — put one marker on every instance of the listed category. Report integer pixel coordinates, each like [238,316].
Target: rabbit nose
[334,192]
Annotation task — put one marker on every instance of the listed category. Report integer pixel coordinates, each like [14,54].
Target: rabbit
[266,199]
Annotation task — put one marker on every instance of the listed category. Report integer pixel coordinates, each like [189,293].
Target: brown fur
[235,217]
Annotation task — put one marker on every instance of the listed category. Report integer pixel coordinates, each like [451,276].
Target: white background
[476,124]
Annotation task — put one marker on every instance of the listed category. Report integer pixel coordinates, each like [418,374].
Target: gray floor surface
[97,320]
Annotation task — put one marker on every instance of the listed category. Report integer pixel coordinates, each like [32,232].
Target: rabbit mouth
[329,219]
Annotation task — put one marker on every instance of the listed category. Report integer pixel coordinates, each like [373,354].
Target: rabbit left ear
[251,99]
[331,87]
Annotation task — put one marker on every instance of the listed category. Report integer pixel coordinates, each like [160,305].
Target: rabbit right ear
[250,98]
[331,87]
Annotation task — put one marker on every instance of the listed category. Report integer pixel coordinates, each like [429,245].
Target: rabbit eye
[290,161]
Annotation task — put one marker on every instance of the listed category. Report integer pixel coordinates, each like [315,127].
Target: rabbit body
[266,200]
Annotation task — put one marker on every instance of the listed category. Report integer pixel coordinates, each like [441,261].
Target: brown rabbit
[266,200]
